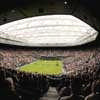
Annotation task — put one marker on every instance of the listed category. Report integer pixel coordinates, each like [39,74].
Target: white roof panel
[49,30]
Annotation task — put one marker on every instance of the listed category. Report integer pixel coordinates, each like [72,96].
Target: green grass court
[44,67]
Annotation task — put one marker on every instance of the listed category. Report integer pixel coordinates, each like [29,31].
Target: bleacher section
[32,86]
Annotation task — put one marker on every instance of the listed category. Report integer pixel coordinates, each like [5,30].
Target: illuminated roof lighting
[49,30]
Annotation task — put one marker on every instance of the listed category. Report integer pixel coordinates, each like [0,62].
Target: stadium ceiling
[47,31]
[85,10]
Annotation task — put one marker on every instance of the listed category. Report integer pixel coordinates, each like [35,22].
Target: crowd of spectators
[16,85]
[15,58]
[81,61]
[82,84]
[72,58]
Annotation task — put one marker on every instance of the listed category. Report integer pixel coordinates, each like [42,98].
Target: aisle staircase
[51,94]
